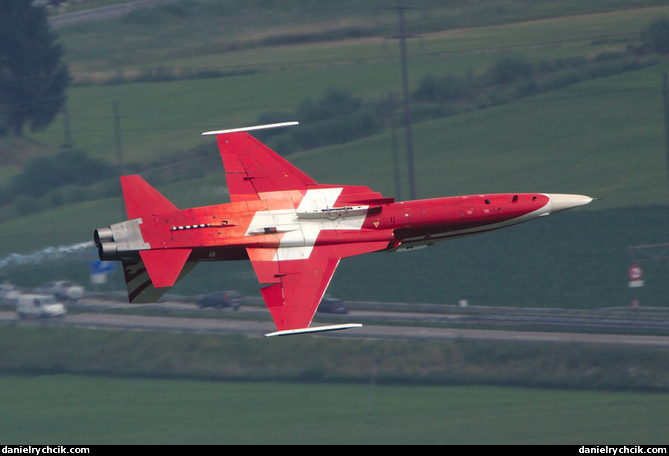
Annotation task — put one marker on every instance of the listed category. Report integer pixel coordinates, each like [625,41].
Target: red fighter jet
[293,229]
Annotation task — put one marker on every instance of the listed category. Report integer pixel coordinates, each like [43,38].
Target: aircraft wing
[299,212]
[252,168]
[297,285]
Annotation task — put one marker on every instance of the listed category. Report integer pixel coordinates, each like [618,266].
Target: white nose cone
[559,202]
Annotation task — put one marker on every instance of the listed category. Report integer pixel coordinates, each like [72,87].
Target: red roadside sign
[635,274]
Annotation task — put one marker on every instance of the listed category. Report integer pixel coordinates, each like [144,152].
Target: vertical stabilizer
[141,199]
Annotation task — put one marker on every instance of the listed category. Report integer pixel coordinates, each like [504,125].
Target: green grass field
[64,385]
[66,409]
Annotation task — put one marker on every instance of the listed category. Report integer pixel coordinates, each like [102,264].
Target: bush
[441,90]
[336,118]
[69,167]
[26,205]
[333,104]
[656,37]
[510,69]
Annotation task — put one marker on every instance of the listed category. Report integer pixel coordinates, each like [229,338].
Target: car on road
[63,290]
[9,294]
[221,299]
[39,306]
[332,306]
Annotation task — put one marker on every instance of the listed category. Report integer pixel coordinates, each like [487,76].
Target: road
[256,322]
[105,12]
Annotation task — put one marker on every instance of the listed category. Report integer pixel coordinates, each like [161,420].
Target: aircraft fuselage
[223,232]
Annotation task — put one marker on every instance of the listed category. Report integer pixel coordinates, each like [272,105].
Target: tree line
[33,78]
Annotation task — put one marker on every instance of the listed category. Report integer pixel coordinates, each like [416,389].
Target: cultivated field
[66,409]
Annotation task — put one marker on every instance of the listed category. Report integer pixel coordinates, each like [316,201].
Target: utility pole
[396,160]
[405,87]
[390,117]
[67,136]
[117,133]
[665,99]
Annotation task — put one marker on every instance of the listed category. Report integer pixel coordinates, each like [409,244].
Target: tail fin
[141,199]
[148,278]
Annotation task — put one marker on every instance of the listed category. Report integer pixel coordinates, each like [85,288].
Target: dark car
[221,299]
[332,306]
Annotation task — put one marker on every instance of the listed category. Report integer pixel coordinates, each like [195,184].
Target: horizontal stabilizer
[290,332]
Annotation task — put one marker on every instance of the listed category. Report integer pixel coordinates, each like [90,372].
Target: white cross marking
[300,234]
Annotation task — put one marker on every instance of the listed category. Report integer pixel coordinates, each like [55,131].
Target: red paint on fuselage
[461,215]
[219,233]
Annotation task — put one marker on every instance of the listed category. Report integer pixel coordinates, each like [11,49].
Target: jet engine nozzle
[107,251]
[103,235]
[120,241]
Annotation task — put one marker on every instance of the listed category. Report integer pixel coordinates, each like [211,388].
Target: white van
[39,306]
[8,294]
[63,290]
